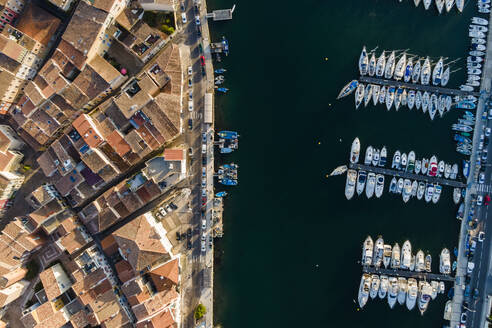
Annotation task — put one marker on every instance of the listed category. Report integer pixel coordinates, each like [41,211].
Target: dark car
[188,244]
[204,160]
[467,291]
[178,236]
[200,48]
[190,124]
[202,60]
[173,206]
[475,294]
[204,72]
[188,233]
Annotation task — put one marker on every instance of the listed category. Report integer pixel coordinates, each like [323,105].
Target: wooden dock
[221,14]
[427,276]
[407,175]
[415,86]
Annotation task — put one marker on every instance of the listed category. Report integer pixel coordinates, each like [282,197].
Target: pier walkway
[408,274]
[416,86]
[408,175]
[221,14]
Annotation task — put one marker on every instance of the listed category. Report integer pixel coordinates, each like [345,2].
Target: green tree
[200,311]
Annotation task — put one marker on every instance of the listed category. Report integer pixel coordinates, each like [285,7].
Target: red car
[487,199]
[202,60]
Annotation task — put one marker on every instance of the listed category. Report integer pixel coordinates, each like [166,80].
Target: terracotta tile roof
[105,306]
[87,128]
[128,17]
[94,159]
[74,97]
[90,82]
[65,184]
[33,93]
[140,244]
[80,319]
[107,173]
[105,5]
[84,283]
[155,304]
[73,241]
[124,270]
[104,69]
[165,276]
[115,139]
[48,210]
[162,320]
[38,24]
[117,321]
[173,154]
[76,57]
[50,284]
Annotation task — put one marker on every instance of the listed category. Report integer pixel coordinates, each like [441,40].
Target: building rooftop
[38,24]
[55,281]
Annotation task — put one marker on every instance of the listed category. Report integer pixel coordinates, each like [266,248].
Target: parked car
[487,199]
[488,131]
[204,224]
[481,236]
[197,20]
[183,18]
[190,124]
[190,83]
[481,178]
[204,171]
[479,200]
[202,60]
[178,236]
[463,317]
[190,70]
[204,246]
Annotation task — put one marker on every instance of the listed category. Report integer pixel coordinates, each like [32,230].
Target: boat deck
[407,175]
[416,86]
[408,274]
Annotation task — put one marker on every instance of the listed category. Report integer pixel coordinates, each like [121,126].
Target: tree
[200,311]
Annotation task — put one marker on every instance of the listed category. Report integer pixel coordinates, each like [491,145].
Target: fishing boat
[361,181]
[393,185]
[435,289]
[416,72]
[372,65]
[425,291]
[465,104]
[445,262]
[399,189]
[454,171]
[355,151]
[466,168]
[392,291]
[407,190]
[396,160]
[386,255]
[350,184]
[445,77]
[363,61]
[359,95]
[371,184]
[400,67]
[425,165]
[368,157]
[383,156]
[378,252]
[418,100]
[375,94]
[367,94]
[425,101]
[460,4]
[456,195]
[412,292]
[411,99]
[420,190]
[374,286]
[403,162]
[480,21]
[420,261]
[418,166]
[367,251]
[230,182]
[379,185]
[426,72]
[429,191]
[390,66]
[437,72]
[433,167]
[439,5]
[383,286]
[364,288]
[381,63]
[449,5]
[220,70]
[466,88]
[411,162]
[348,89]
[447,171]
[406,255]
[461,127]
[375,157]
[402,290]
[408,71]
[441,167]
[428,263]
[382,94]
[395,256]
[398,96]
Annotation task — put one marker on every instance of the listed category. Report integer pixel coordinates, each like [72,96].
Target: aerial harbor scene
[231,163]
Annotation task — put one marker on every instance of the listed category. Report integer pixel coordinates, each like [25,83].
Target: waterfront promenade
[476,318]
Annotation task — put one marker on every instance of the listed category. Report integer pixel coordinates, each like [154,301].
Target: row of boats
[477,32]
[399,289]
[372,183]
[483,6]
[463,130]
[409,189]
[228,141]
[404,68]
[441,4]
[399,96]
[379,253]
[227,174]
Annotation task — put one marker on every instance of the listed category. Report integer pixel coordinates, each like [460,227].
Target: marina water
[289,257]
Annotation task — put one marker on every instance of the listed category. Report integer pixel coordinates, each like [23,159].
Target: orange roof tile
[86,128]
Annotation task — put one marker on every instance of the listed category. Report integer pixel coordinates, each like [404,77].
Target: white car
[190,70]
[204,246]
[190,106]
[204,236]
[481,236]
[204,224]
[190,95]
[183,18]
[481,178]
[197,20]
[479,200]
[488,131]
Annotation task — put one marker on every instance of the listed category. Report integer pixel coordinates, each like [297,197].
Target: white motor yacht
[447,171]
[429,191]
[378,252]
[412,292]
[415,186]
[386,255]
[403,161]
[383,286]
[407,190]
[399,189]
[425,291]
[437,193]
[428,263]
[420,261]
[395,256]
[364,288]
[368,157]
[456,195]
[375,157]
[425,165]
[383,156]
[392,291]
[367,251]
[371,184]
[374,286]
[420,190]
[355,151]
[379,185]
[350,184]
[418,166]
[406,255]
[435,289]
[361,181]
[445,262]
[393,185]
[402,290]
[396,160]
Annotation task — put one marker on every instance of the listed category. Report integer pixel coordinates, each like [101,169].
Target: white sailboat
[416,72]
[359,95]
[418,100]
[439,5]
[408,70]
[381,63]
[372,65]
[400,67]
[390,66]
[449,5]
[426,72]
[460,4]
[427,4]
[437,72]
[411,99]
[363,61]
[375,94]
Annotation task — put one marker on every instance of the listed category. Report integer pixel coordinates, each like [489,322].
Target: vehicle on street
[183,18]
[190,124]
[202,60]
[484,155]
[204,137]
[479,200]
[204,148]
[481,236]
[204,224]
[197,20]
[490,114]
[190,151]
[204,246]
[481,178]
[204,236]
[488,131]
[188,244]
[190,70]
[204,160]
[190,83]
[204,182]
[190,105]
[487,199]
[200,48]
[190,95]
[204,171]
[463,317]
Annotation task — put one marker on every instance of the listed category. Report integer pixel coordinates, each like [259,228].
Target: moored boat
[392,291]
[412,292]
[364,288]
[395,256]
[425,74]
[411,162]
[368,157]
[379,185]
[367,94]
[375,94]
[371,184]
[432,171]
[420,261]
[420,190]
[454,171]
[386,255]
[402,290]
[399,189]
[445,262]
[381,63]
[361,181]
[425,292]
[437,72]
[400,67]
[350,184]
[415,186]
[428,263]
[355,151]
[411,99]
[396,160]
[372,65]
[407,190]
[367,251]
[378,252]
[456,195]
[375,156]
[425,165]
[363,61]
[383,286]
[383,156]
[393,185]
[429,191]
[406,255]
[390,97]
[418,100]
[374,286]
[359,95]
[348,89]
[382,95]
[403,163]
[418,166]
[407,75]
[390,66]
[416,72]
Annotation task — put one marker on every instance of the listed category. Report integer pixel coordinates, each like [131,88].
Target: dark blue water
[292,240]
